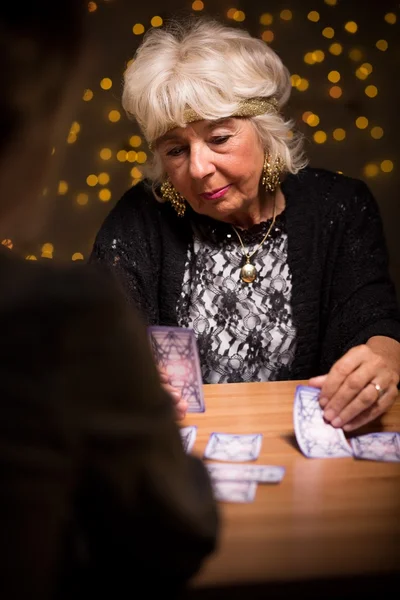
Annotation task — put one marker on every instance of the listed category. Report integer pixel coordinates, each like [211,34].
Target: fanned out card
[175,351]
[382,446]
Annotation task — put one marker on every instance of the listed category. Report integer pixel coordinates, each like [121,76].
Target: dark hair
[40,43]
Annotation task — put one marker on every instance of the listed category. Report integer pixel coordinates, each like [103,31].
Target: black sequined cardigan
[342,293]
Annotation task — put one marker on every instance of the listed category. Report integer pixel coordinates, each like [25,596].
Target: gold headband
[252,107]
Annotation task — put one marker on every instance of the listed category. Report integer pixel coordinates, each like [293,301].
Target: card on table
[175,351]
[233,447]
[234,491]
[188,436]
[243,472]
[383,446]
[316,437]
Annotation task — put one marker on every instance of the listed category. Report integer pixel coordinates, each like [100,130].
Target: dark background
[77,209]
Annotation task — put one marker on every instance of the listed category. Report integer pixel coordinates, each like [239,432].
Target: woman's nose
[201,162]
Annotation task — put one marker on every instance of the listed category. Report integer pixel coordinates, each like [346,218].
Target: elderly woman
[280,269]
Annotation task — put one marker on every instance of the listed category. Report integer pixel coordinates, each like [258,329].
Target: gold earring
[168,192]
[271,173]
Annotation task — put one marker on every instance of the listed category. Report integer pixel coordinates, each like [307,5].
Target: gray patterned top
[244,331]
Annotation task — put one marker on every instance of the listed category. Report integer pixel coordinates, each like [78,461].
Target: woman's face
[215,165]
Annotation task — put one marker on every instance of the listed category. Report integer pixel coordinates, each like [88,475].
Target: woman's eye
[177,151]
[220,139]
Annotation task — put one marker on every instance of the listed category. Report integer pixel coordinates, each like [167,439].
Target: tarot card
[175,350]
[316,438]
[234,491]
[233,447]
[384,446]
[258,473]
[188,436]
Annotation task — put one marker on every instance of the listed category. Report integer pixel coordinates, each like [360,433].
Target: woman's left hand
[360,386]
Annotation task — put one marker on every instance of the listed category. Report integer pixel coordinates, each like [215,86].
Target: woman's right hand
[180,403]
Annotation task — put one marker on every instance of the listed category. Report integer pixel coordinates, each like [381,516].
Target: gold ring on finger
[381,391]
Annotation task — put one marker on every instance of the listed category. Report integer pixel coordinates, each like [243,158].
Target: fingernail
[323,402]
[336,422]
[329,414]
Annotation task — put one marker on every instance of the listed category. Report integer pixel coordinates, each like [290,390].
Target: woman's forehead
[198,128]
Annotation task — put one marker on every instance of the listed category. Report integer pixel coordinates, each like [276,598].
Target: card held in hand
[316,437]
[175,351]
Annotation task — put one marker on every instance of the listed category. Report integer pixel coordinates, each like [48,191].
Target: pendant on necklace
[248,272]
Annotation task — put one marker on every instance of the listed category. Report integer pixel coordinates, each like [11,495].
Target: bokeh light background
[344,58]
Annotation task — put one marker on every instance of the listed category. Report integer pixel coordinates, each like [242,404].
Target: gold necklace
[248,272]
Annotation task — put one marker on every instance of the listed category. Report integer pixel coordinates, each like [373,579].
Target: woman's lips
[216,193]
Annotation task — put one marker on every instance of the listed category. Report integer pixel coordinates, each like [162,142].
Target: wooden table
[328,520]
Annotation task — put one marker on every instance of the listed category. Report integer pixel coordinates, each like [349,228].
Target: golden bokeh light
[334,76]
[131,156]
[62,188]
[390,18]
[239,16]
[339,134]
[355,54]
[266,19]
[157,21]
[313,16]
[328,32]
[92,6]
[136,173]
[267,36]
[320,137]
[82,199]
[7,243]
[335,91]
[103,178]
[286,15]
[106,83]
[122,155]
[92,180]
[198,5]
[362,122]
[303,85]
[105,195]
[387,166]
[141,157]
[295,79]
[105,153]
[382,45]
[371,170]
[77,256]
[135,141]
[336,49]
[138,29]
[377,132]
[87,95]
[371,91]
[351,26]
[114,116]
[312,120]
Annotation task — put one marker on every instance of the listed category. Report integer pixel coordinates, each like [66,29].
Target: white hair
[211,68]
